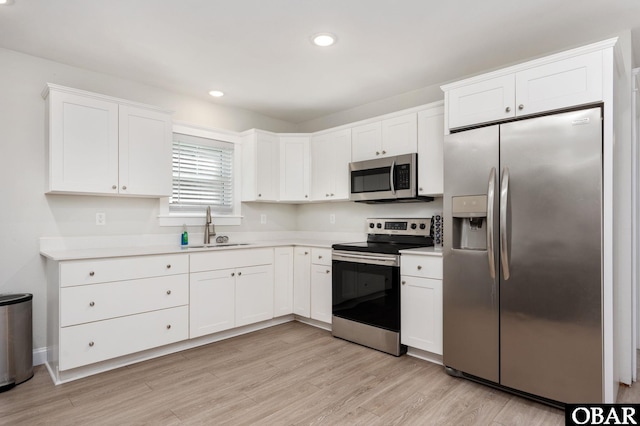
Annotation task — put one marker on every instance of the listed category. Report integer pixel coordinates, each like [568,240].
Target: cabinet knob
[114,187]
[91,344]
[168,291]
[419,267]
[169,266]
[507,109]
[233,274]
[332,194]
[328,271]
[319,257]
[168,326]
[384,152]
[306,253]
[419,189]
[124,187]
[92,304]
[404,282]
[520,107]
[259,195]
[377,152]
[91,273]
[326,195]
[239,273]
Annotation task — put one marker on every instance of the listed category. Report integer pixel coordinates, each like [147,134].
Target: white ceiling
[258,51]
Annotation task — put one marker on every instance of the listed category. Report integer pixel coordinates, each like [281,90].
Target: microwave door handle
[392,175]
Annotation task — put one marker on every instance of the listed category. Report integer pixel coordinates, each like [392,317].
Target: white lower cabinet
[98,341]
[321,293]
[302,281]
[240,294]
[283,281]
[421,302]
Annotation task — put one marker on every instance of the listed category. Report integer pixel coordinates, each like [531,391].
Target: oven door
[384,178]
[366,288]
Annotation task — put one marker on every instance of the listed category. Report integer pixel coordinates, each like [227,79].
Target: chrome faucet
[209,224]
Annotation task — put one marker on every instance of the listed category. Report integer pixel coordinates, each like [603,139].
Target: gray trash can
[16,345]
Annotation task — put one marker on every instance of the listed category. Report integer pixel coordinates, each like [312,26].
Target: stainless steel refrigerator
[523,255]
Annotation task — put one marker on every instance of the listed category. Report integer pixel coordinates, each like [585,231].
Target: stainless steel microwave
[386,179]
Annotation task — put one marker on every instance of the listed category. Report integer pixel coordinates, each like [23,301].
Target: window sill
[197,220]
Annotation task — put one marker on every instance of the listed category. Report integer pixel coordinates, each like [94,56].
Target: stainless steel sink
[205,246]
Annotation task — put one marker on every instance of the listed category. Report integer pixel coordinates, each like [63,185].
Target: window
[202,175]
[206,172]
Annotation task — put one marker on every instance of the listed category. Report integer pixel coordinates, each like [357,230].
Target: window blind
[202,174]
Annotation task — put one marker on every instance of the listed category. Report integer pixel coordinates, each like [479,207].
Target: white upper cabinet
[330,158]
[295,169]
[392,136]
[106,146]
[260,166]
[482,102]
[559,81]
[431,151]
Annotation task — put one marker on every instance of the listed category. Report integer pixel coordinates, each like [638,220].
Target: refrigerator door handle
[491,193]
[504,197]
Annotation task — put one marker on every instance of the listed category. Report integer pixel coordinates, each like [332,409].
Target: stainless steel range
[366,283]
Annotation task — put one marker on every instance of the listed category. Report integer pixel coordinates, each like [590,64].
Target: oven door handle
[390,260]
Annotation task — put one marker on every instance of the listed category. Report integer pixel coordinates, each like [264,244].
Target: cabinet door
[570,82]
[421,313]
[283,281]
[145,152]
[302,281]
[254,294]
[430,151]
[321,303]
[294,168]
[399,135]
[481,102]
[83,144]
[267,167]
[330,158]
[211,302]
[366,141]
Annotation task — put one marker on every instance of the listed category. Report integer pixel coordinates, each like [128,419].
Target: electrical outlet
[101,219]
[332,219]
[263,219]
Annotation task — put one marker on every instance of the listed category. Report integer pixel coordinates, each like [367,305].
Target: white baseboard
[39,356]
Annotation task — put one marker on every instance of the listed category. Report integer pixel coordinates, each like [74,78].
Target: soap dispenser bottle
[185,236]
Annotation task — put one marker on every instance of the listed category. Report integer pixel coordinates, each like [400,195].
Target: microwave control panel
[402,176]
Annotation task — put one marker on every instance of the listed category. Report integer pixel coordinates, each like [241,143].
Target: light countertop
[423,251]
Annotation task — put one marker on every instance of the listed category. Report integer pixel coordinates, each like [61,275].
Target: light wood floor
[284,375]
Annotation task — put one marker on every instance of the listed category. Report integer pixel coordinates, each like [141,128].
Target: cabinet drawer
[98,341]
[213,260]
[87,303]
[80,272]
[321,256]
[421,266]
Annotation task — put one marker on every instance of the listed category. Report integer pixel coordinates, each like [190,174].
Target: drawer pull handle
[91,273]
[233,274]
[168,291]
[306,253]
[239,273]
[319,257]
[168,326]
[92,304]
[169,266]
[419,267]
[91,344]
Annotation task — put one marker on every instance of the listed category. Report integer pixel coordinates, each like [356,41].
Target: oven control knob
[422,226]
[379,225]
[372,225]
[414,226]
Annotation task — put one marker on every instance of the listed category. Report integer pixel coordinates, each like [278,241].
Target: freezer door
[470,292]
[551,227]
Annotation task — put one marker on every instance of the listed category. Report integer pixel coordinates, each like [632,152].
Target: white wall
[26,214]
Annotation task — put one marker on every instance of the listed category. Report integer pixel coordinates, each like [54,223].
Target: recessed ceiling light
[323,39]
[216,93]
[5,2]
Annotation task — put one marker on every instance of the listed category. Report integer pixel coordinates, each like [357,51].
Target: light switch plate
[101,219]
[263,219]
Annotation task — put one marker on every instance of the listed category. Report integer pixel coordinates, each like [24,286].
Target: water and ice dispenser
[469,214]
